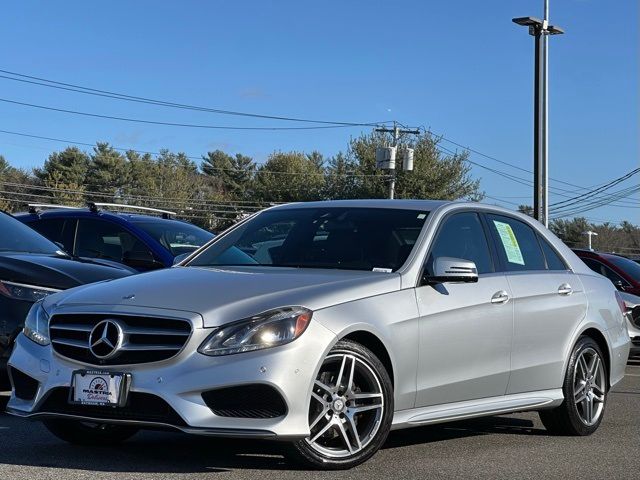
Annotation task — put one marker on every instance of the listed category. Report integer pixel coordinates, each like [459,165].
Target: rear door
[548,302]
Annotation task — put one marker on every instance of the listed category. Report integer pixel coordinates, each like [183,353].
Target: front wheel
[585,393]
[86,433]
[351,409]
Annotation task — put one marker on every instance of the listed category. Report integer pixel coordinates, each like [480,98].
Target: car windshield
[177,237]
[630,267]
[373,239]
[15,236]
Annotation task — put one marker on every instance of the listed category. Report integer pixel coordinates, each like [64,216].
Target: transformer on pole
[386,157]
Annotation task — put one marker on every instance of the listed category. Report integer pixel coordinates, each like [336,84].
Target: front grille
[24,386]
[635,341]
[145,339]
[140,407]
[246,401]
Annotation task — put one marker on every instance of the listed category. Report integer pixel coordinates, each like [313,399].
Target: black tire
[304,453]
[567,419]
[94,434]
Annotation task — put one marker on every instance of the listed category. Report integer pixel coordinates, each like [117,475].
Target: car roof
[85,212]
[594,254]
[403,204]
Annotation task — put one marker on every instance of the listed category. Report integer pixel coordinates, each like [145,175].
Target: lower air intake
[246,401]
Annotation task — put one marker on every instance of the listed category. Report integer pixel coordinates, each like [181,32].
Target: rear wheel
[585,393]
[86,433]
[350,411]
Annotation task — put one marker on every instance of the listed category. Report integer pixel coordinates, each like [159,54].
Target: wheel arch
[376,345]
[599,337]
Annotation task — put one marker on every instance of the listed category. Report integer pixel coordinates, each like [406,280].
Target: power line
[172,124]
[190,157]
[121,96]
[522,181]
[490,157]
[591,206]
[595,191]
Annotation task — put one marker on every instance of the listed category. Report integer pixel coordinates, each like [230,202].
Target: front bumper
[180,382]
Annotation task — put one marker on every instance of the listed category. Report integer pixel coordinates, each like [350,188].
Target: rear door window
[554,262]
[517,244]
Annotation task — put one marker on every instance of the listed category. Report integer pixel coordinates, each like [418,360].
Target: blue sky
[459,67]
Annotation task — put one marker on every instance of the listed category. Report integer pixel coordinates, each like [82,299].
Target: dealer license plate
[91,387]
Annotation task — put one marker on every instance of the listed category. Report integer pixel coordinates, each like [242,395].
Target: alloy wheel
[589,386]
[347,406]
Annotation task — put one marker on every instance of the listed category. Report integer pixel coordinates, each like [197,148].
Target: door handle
[500,297]
[565,289]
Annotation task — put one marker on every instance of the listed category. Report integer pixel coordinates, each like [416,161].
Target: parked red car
[623,273]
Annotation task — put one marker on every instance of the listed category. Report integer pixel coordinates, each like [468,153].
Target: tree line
[215,190]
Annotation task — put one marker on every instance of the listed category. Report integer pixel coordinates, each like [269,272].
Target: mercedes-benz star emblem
[106,339]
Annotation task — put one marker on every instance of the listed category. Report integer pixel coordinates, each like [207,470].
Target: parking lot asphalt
[505,447]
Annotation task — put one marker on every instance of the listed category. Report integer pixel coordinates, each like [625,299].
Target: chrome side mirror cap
[452,270]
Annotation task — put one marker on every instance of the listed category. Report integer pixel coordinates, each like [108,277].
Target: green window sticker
[509,242]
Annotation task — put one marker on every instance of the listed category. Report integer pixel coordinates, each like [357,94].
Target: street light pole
[590,233]
[540,30]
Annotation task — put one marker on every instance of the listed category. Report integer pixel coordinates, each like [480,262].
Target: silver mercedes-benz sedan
[328,324]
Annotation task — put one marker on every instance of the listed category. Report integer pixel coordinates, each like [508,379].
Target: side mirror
[141,259]
[452,270]
[179,258]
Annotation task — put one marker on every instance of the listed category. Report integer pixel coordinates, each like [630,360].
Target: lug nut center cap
[338,405]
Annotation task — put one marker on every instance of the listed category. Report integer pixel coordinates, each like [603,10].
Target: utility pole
[540,30]
[396,131]
[590,234]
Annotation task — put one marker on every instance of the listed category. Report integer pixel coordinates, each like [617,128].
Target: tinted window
[517,244]
[333,237]
[629,267]
[602,269]
[103,239]
[554,262]
[177,237]
[15,236]
[57,230]
[462,236]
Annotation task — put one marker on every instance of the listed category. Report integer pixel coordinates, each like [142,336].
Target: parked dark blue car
[143,242]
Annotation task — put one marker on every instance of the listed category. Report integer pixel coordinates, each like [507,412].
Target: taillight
[621,304]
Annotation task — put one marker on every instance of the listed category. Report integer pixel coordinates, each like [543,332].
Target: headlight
[268,329]
[28,293]
[36,326]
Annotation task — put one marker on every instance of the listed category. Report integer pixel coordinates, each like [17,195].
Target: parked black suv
[32,267]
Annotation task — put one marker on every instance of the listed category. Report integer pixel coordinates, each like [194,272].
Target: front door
[465,328]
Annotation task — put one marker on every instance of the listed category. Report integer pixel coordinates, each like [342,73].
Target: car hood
[54,271]
[225,295]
